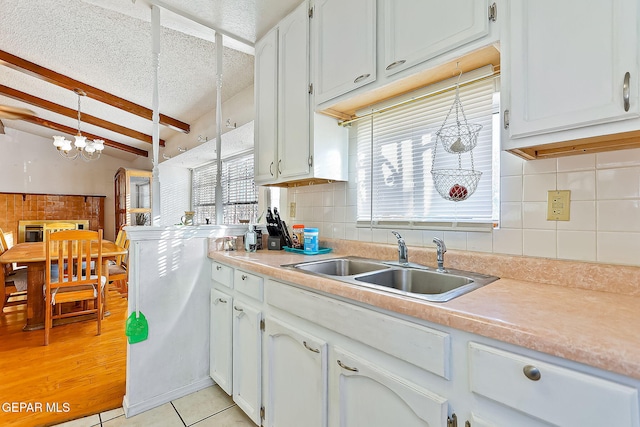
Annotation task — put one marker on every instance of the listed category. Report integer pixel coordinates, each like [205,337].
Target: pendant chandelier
[86,149]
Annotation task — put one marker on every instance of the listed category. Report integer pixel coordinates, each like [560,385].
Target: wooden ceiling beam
[71,131]
[70,112]
[58,79]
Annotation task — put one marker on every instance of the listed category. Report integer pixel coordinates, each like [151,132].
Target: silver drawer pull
[271,168]
[626,91]
[244,277]
[236,308]
[348,368]
[315,350]
[395,64]
[361,77]
[218,268]
[531,372]
[224,301]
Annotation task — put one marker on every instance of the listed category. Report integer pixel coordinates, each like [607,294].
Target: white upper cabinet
[293,94]
[418,30]
[266,101]
[566,64]
[291,143]
[344,46]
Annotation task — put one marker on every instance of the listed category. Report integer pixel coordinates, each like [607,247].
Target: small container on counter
[311,243]
[297,239]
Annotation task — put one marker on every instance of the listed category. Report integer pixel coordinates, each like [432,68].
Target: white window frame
[238,190]
[442,95]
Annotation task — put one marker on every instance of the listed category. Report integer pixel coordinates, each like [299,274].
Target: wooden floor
[79,372]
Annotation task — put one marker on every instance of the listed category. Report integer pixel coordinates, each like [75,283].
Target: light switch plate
[292,209]
[558,203]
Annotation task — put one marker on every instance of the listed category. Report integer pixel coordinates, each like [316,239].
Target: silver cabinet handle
[218,268]
[531,372]
[271,168]
[224,301]
[395,64]
[236,308]
[315,350]
[505,119]
[626,91]
[361,77]
[243,277]
[280,167]
[348,368]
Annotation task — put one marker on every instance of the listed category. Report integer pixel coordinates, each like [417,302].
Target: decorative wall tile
[577,163]
[616,184]
[582,184]
[618,215]
[618,159]
[577,245]
[582,217]
[507,241]
[534,215]
[618,248]
[540,166]
[539,243]
[479,242]
[536,187]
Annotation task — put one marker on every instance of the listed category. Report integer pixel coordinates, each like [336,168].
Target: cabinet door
[266,107]
[344,42]
[297,377]
[293,95]
[247,358]
[362,394]
[417,30]
[567,69]
[220,353]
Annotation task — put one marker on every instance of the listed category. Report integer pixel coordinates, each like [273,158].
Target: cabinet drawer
[222,274]
[248,284]
[560,396]
[424,347]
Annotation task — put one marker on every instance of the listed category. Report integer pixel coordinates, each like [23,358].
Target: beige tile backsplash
[605,210]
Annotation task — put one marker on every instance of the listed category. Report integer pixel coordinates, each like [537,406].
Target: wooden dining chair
[57,226]
[73,247]
[13,280]
[118,273]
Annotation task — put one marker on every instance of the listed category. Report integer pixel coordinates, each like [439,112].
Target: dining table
[33,255]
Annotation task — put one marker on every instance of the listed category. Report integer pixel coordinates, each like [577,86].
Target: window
[239,192]
[394,161]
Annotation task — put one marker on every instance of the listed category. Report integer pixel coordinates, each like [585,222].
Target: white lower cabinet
[296,376]
[247,359]
[220,353]
[542,393]
[333,363]
[363,394]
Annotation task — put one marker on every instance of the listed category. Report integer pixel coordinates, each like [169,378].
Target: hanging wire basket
[459,184]
[459,137]
[456,185]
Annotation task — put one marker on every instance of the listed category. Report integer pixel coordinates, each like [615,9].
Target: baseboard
[138,408]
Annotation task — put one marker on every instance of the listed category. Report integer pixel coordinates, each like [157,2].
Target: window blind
[394,160]
[239,192]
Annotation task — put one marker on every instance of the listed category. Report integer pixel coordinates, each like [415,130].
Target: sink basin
[341,267]
[416,281]
[411,280]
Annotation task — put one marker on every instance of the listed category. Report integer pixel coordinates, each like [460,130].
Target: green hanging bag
[137,328]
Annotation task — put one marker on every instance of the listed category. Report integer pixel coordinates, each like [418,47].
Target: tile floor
[210,407]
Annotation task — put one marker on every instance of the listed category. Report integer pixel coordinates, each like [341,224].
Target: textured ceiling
[107,44]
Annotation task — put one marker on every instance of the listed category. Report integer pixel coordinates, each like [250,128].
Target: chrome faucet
[441,248]
[403,252]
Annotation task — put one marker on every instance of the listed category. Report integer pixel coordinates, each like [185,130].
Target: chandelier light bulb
[58,141]
[81,142]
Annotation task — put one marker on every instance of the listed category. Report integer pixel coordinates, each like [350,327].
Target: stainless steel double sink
[412,280]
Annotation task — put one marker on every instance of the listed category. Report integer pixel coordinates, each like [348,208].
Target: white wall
[239,109]
[605,210]
[31,164]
